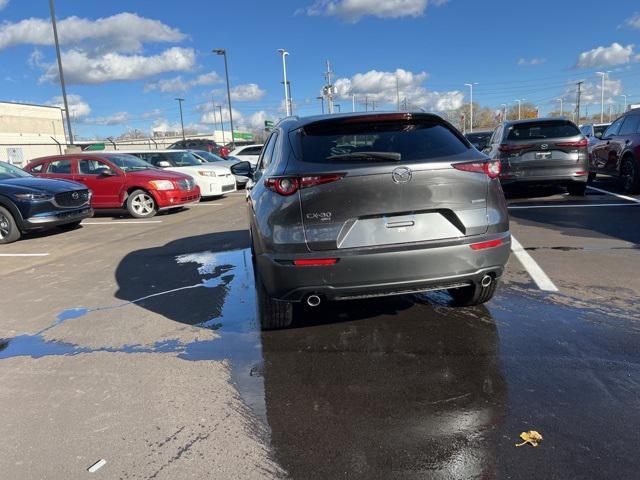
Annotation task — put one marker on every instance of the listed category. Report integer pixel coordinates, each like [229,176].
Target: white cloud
[256,120]
[531,61]
[247,92]
[590,91]
[77,106]
[3,3]
[81,68]
[615,54]
[211,118]
[117,118]
[380,87]
[633,21]
[178,84]
[156,112]
[124,32]
[354,10]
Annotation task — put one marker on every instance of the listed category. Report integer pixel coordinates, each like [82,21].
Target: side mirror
[106,172]
[163,164]
[242,169]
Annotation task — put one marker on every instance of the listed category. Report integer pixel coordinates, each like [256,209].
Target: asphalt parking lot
[137,342]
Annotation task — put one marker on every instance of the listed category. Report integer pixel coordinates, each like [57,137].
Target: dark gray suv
[355,206]
[541,151]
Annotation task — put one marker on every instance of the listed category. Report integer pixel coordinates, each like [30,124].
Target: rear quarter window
[416,141]
[541,130]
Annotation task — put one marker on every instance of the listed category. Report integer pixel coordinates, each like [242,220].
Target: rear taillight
[492,168]
[289,185]
[506,148]
[579,144]
[224,152]
[488,244]
[315,262]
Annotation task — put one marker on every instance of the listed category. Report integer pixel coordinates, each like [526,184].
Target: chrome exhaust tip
[486,281]
[313,300]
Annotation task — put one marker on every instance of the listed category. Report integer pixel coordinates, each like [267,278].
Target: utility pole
[180,100]
[60,72]
[610,113]
[625,102]
[405,103]
[366,103]
[561,105]
[321,98]
[328,89]
[373,105]
[397,93]
[519,107]
[504,111]
[221,123]
[603,75]
[223,52]
[353,102]
[578,94]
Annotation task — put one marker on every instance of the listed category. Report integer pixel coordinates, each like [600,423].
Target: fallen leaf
[531,437]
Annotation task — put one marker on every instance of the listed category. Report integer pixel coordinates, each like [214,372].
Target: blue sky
[126,61]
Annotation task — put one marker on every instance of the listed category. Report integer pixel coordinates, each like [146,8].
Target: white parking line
[537,274]
[123,222]
[207,204]
[623,197]
[24,254]
[520,207]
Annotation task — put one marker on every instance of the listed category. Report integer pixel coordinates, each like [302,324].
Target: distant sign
[92,147]
[268,124]
[242,136]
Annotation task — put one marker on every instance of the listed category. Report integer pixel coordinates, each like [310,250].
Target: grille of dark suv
[76,198]
[186,184]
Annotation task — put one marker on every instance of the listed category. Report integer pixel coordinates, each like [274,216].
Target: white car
[248,153]
[228,162]
[213,180]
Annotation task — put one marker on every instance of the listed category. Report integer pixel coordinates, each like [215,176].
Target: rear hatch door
[543,148]
[396,182]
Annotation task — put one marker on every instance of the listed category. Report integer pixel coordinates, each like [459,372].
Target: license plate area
[543,156]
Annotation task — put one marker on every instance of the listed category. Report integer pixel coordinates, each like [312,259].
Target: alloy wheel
[628,175]
[143,204]
[5,226]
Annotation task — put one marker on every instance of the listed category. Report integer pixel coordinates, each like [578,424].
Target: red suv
[618,151]
[118,180]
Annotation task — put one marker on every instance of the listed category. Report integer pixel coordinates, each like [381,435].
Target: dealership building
[30,131]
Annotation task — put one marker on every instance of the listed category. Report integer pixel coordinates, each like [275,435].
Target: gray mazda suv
[541,151]
[354,206]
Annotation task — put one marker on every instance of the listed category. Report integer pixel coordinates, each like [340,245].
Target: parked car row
[62,190]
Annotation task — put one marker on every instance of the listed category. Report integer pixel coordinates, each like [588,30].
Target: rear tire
[274,314]
[577,189]
[472,295]
[9,231]
[592,177]
[140,204]
[630,176]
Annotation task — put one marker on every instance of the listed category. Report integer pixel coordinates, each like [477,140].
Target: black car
[479,139]
[28,203]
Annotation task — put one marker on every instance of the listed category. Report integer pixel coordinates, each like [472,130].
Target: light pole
[353,102]
[504,111]
[223,52]
[321,98]
[519,100]
[180,100]
[625,102]
[287,105]
[60,72]
[221,122]
[561,105]
[470,85]
[603,75]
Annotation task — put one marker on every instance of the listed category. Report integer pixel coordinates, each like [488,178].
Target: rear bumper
[54,218]
[173,198]
[362,274]
[574,176]
[217,186]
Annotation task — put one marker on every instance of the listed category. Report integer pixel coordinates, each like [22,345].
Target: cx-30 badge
[401,175]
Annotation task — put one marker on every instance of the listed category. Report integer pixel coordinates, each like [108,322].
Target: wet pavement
[389,388]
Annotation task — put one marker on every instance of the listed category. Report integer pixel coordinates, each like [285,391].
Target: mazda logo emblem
[401,175]
[75,195]
[544,146]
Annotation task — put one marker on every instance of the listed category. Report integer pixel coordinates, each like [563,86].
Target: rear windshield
[540,130]
[399,140]
[478,137]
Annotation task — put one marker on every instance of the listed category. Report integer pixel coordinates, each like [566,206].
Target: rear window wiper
[395,156]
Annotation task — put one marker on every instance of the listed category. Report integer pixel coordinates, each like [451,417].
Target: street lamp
[519,100]
[223,52]
[504,111]
[60,72]
[180,100]
[625,101]
[287,104]
[470,85]
[321,98]
[603,74]
[561,100]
